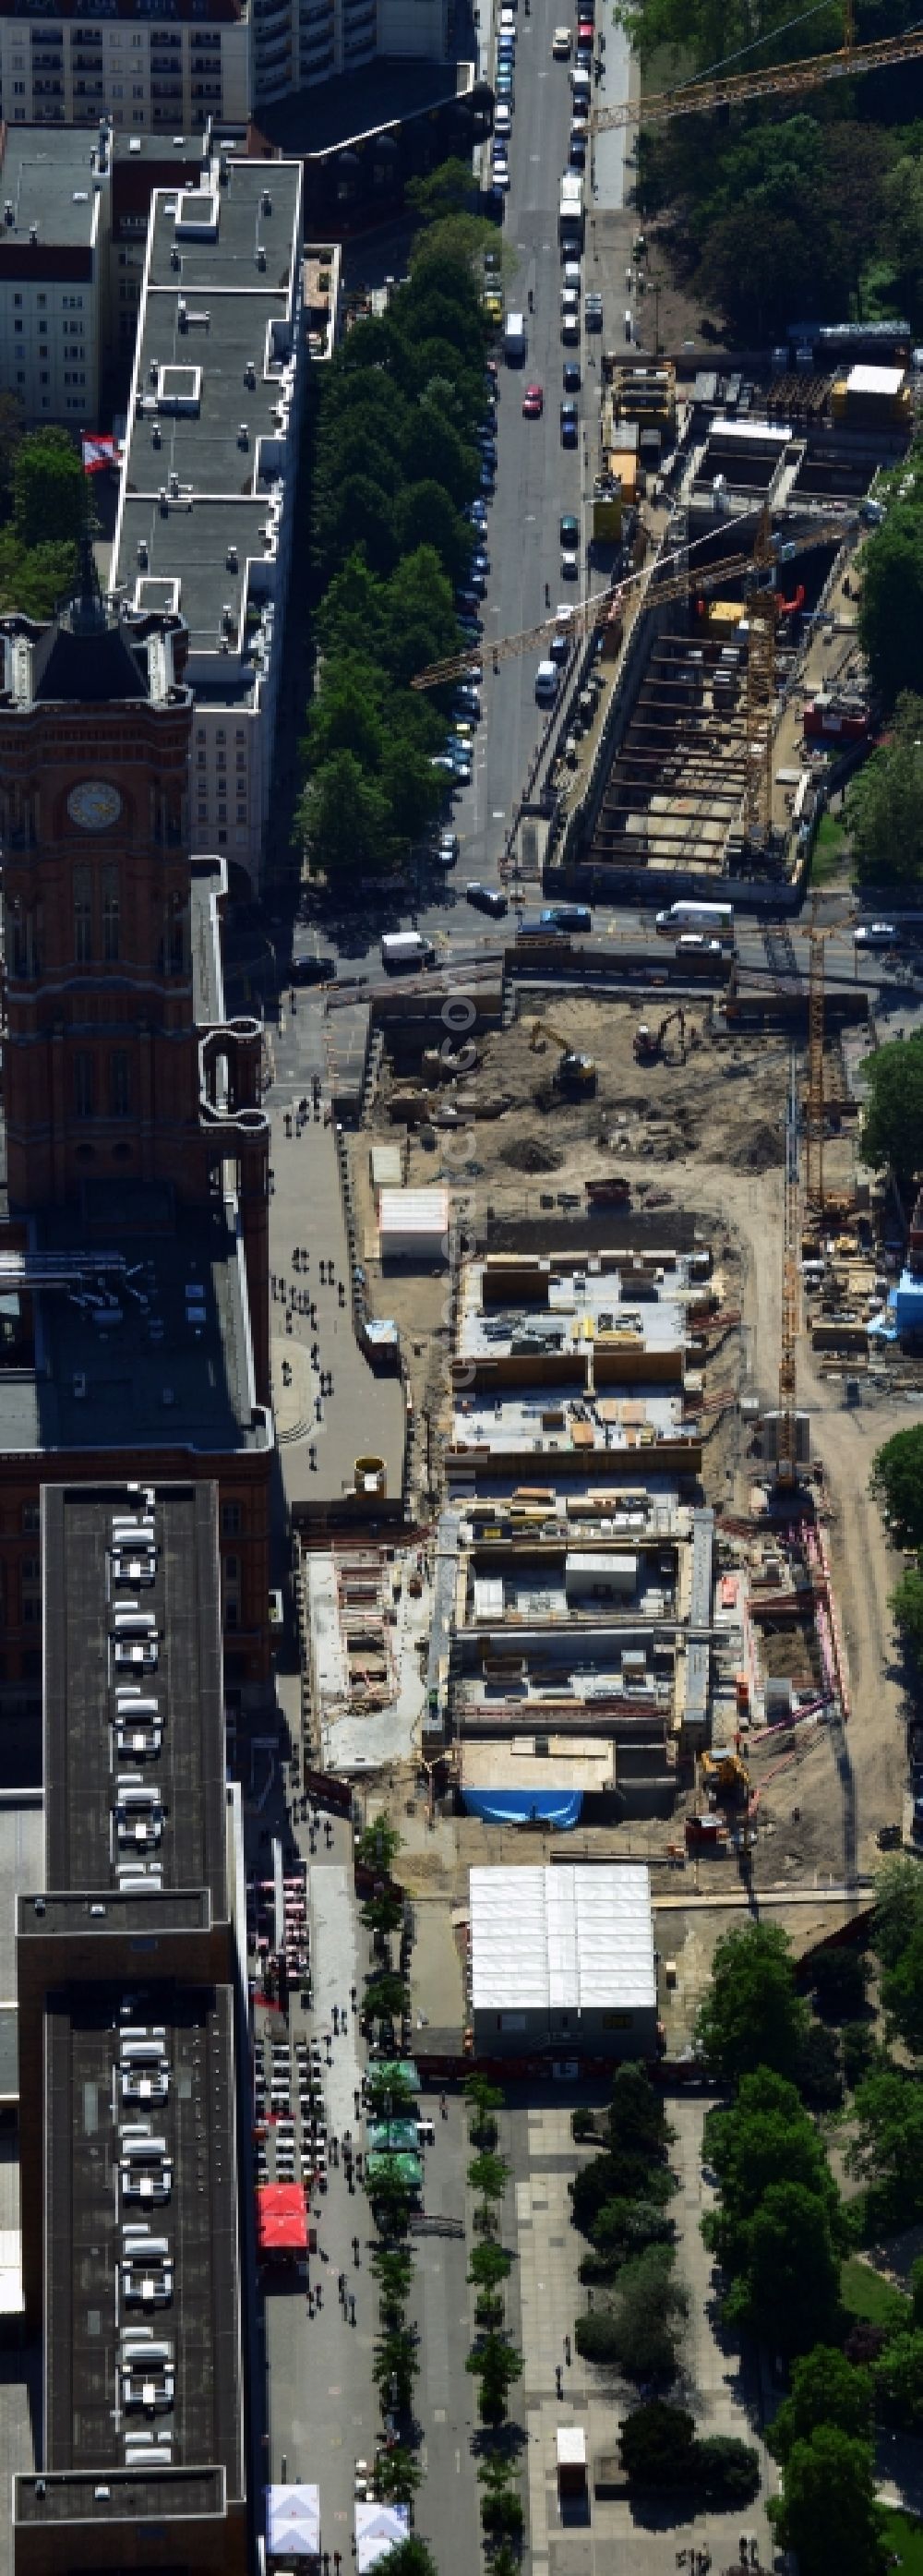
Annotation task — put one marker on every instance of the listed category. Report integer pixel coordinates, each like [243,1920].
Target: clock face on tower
[94,805]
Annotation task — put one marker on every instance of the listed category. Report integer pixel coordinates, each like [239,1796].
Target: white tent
[379,2527]
[292,2522]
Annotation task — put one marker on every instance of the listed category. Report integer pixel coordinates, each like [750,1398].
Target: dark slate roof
[91,663]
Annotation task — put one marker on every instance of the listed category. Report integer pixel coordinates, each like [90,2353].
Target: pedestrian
[336,2563]
[352,1997]
[357,2096]
[443,2105]
[352,2309]
[558,2381]
[356,2252]
[310,2303]
[341,2283]
[567,2350]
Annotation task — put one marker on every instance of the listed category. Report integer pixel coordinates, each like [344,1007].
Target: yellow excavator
[727,1776]
[575,1073]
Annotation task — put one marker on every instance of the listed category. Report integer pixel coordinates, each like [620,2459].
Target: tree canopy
[751,2015]
[891,1125]
[394,469]
[826,2389]
[887,2148]
[827,2511]
[884,807]
[49,490]
[891,600]
[897,1467]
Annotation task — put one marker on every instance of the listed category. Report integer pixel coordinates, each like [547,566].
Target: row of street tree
[395,465]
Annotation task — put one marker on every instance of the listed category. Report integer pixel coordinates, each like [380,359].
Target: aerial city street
[461,1243]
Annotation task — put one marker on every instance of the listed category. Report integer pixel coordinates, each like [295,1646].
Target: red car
[585,32]
[533,402]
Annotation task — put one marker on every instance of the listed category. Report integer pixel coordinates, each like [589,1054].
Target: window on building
[219,736]
[203,813]
[240,735]
[17,300]
[42,301]
[111,914]
[241,813]
[119,1088]
[201,756]
[83,916]
[30,1585]
[29,1518]
[241,760]
[27,925]
[20,375]
[222,813]
[222,759]
[84,1084]
[18,326]
[232,1591]
[43,379]
[230,1520]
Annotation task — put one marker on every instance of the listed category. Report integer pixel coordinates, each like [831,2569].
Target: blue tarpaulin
[561,1807]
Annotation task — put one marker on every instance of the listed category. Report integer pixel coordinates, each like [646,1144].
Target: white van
[546,683]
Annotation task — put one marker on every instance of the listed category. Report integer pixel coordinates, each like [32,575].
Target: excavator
[648,1042]
[575,1073]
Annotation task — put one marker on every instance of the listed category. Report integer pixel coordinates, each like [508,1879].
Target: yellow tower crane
[784,80]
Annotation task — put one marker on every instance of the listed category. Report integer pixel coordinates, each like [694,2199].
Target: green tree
[726,2471]
[395,2368]
[638,2123]
[656,2443]
[389,2200]
[899,2378]
[624,2227]
[891,601]
[343,820]
[387,1996]
[641,2330]
[827,2511]
[906,1605]
[390,2096]
[496,2365]
[902,1995]
[887,2148]
[764,2137]
[884,806]
[489,2265]
[502,2514]
[489,2175]
[825,2389]
[484,2101]
[751,2015]
[411,2557]
[609,2177]
[36,580]
[916,2292]
[398,2474]
[897,1467]
[393,2269]
[378,1846]
[49,490]
[425,516]
[787,2288]
[447,190]
[898,1912]
[839,1979]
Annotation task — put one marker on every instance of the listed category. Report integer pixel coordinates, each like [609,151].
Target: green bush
[725,2470]
[657,2446]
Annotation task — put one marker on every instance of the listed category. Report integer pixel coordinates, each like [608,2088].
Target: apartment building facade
[148,68]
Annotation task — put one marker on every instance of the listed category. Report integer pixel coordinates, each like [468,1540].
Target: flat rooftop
[164,1368]
[210,402]
[46,175]
[88,2319]
[566,1310]
[567,1939]
[547,1419]
[100,1823]
[584,1762]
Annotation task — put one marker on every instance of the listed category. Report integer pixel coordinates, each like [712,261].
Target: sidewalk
[364,1415]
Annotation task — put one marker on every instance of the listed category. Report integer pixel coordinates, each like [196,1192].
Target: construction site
[639,1611]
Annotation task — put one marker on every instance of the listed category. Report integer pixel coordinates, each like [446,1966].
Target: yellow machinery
[575,1073]
[727,1776]
[784,80]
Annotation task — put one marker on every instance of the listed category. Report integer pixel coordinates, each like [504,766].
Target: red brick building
[134,1294]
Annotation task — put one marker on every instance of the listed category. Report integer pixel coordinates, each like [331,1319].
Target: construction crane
[787,1459]
[784,80]
[575,1072]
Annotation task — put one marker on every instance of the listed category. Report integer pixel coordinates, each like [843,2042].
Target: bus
[716,918]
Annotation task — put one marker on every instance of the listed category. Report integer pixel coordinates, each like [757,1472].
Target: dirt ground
[705,1133]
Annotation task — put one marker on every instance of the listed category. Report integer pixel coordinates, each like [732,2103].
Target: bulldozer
[648,1042]
[575,1074]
